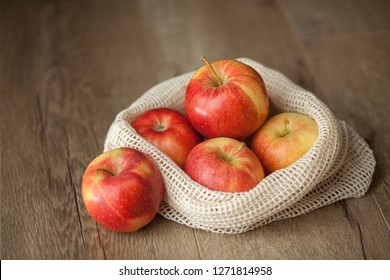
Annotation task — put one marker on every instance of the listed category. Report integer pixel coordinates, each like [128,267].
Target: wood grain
[350,69]
[68,67]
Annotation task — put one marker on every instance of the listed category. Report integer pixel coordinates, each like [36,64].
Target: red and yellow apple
[224,164]
[122,190]
[226,98]
[169,131]
[283,139]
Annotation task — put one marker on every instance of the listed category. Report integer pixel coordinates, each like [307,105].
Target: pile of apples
[224,142]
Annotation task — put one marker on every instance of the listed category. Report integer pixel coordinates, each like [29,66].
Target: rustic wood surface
[68,67]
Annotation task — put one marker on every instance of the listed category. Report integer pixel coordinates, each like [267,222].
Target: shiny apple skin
[169,131]
[235,109]
[275,149]
[122,190]
[224,164]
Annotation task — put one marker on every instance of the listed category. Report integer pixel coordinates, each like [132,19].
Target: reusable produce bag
[340,164]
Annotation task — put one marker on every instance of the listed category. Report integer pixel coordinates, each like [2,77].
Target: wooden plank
[321,234]
[319,18]
[161,239]
[73,104]
[374,233]
[115,71]
[68,68]
[39,211]
[253,29]
[352,72]
[361,98]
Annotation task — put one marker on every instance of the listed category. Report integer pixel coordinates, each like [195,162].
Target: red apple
[283,139]
[224,164]
[169,131]
[122,190]
[226,98]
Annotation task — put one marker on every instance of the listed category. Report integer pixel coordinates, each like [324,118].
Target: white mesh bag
[339,165]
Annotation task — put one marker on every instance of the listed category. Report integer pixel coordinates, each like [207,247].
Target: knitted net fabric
[339,165]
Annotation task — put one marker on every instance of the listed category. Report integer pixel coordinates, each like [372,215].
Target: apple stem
[229,157]
[286,122]
[212,70]
[105,170]
[242,146]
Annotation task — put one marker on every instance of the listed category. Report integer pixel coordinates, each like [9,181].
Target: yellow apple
[283,139]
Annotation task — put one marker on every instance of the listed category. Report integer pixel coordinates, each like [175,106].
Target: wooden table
[68,67]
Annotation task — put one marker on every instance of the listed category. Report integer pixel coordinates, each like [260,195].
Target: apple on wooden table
[226,98]
[224,164]
[169,131]
[283,139]
[122,190]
